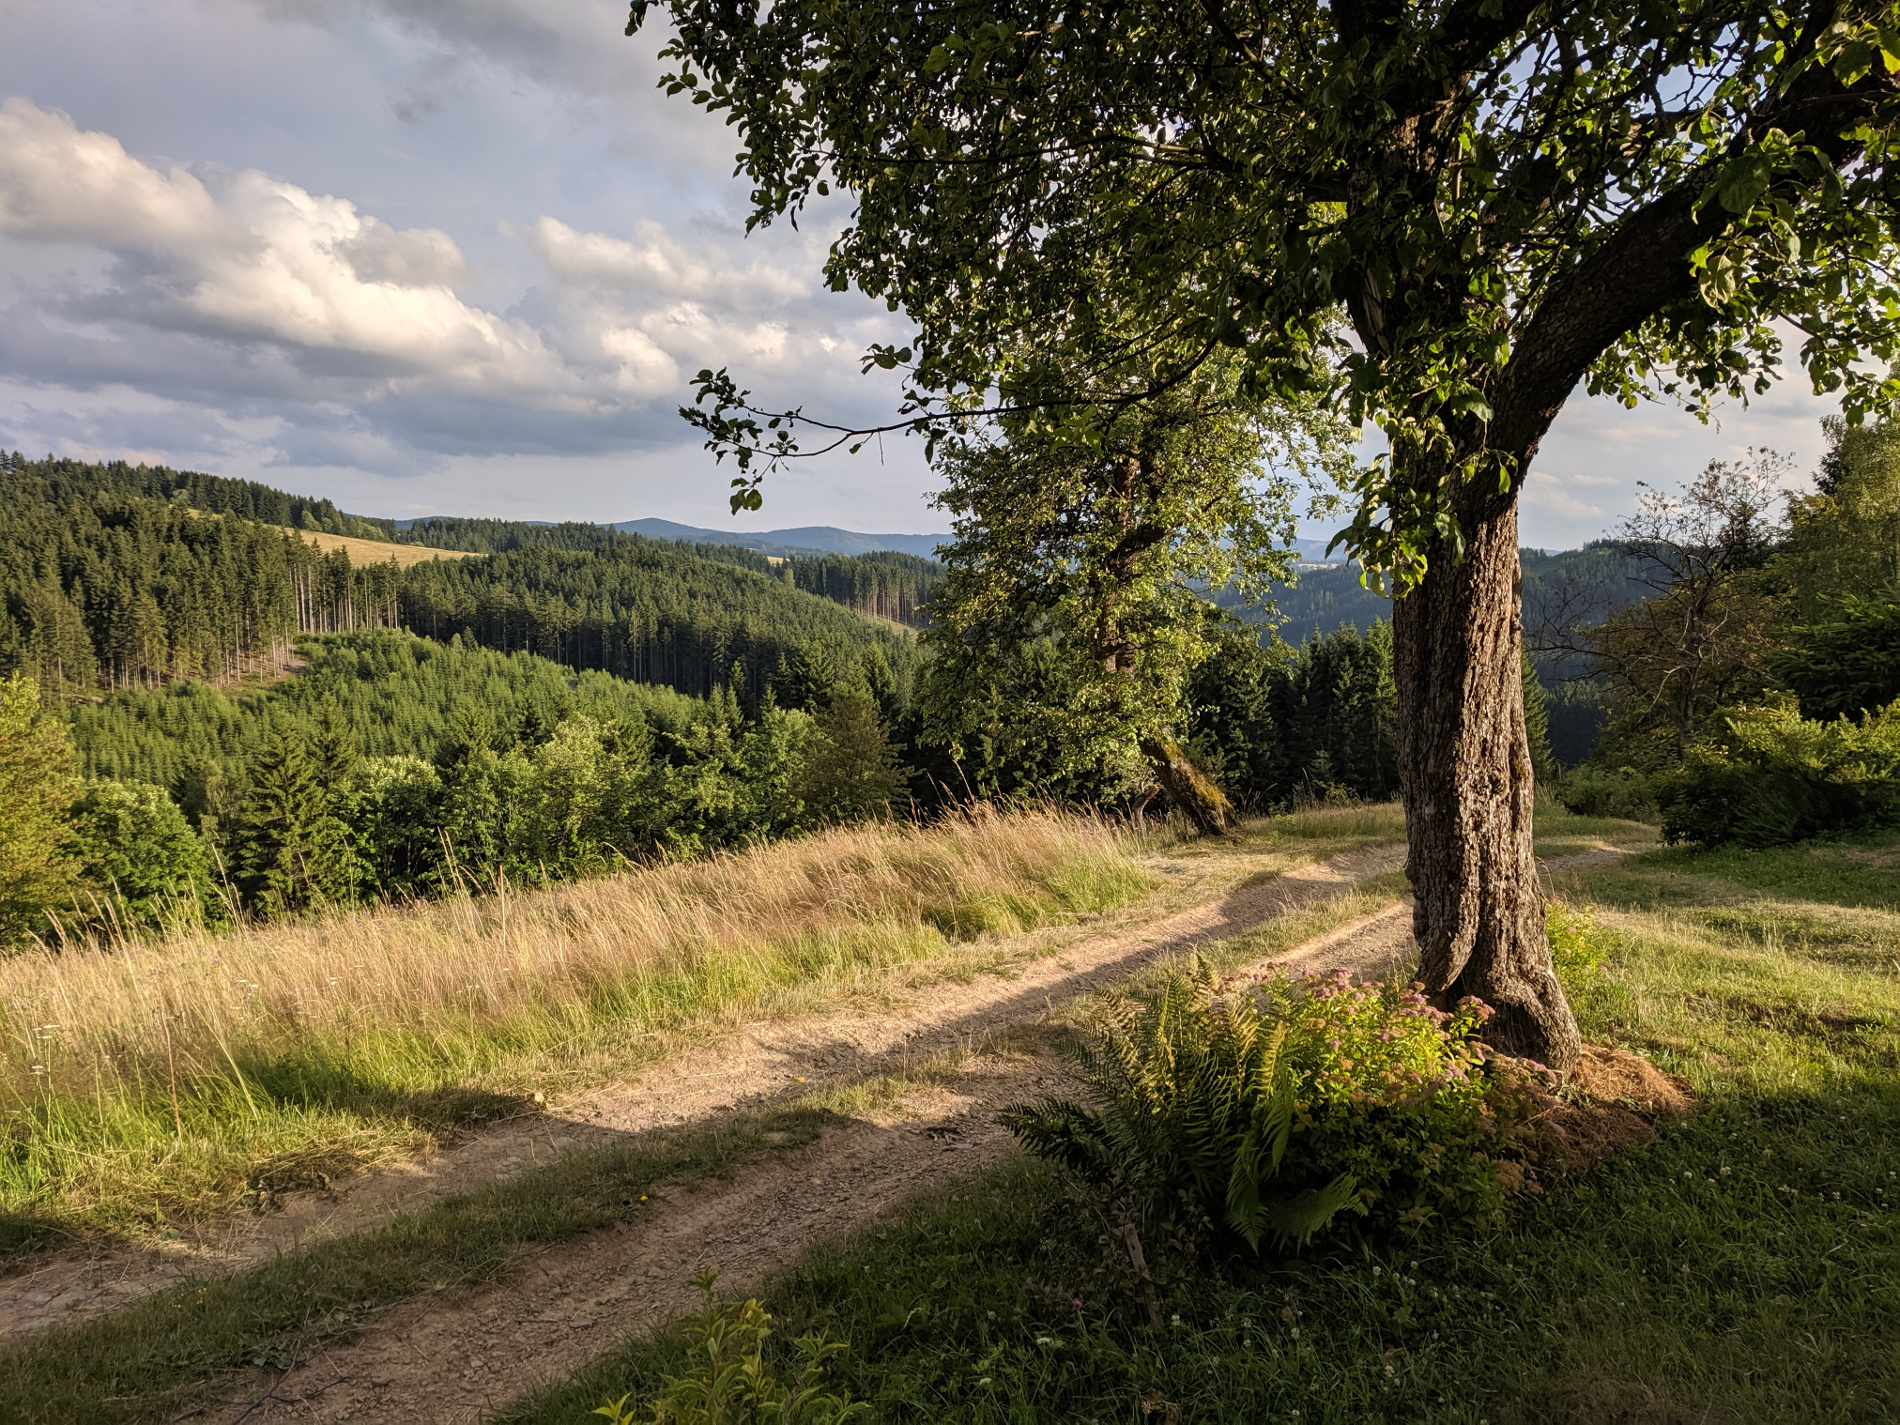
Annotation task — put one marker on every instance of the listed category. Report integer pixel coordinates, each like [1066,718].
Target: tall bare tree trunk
[1465,774]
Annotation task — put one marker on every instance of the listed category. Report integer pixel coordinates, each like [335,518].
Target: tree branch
[1643,268]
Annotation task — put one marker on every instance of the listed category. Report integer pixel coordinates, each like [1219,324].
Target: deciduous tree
[1450,214]
[38,784]
[1104,547]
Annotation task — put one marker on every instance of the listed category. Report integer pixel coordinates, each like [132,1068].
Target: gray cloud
[532,249]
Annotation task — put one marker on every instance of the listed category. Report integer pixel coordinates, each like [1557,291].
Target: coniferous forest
[253,724]
[256,725]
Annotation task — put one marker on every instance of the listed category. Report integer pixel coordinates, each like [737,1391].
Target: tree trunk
[1187,786]
[1465,774]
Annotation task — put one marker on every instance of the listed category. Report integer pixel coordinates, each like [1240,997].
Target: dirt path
[774,1059]
[450,1358]
[448,1361]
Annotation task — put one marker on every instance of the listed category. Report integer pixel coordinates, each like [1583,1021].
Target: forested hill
[104,587]
[883,583]
[1600,576]
[1562,589]
[114,576]
[654,613]
[62,482]
[396,697]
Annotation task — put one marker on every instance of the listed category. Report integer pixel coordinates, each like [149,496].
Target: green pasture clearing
[1746,1267]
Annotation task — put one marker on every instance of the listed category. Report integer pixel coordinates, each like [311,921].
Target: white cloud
[264,260]
[59,183]
[1545,497]
[656,263]
[418,257]
[243,283]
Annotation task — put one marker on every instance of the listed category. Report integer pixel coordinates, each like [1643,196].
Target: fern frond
[1295,1219]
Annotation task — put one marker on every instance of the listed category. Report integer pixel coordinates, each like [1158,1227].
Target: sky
[463,256]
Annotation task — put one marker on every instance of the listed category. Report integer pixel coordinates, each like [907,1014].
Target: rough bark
[1187,786]
[1465,774]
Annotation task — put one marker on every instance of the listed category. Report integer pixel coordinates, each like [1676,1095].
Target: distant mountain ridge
[806,539]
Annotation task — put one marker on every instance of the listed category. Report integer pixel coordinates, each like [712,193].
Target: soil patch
[1612,1102]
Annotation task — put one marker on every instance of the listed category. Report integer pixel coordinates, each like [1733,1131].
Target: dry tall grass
[161,1078]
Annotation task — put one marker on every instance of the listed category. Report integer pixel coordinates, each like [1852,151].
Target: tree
[1705,636]
[1846,664]
[1537,725]
[37,787]
[1844,540]
[1103,548]
[1448,214]
[851,771]
[142,860]
[290,851]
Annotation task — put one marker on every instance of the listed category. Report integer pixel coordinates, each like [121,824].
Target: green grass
[1859,873]
[1746,1267]
[169,1353]
[161,1356]
[1564,833]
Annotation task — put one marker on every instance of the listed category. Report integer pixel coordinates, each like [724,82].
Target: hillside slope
[114,576]
[806,539]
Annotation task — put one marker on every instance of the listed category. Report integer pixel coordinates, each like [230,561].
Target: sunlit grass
[146,1083]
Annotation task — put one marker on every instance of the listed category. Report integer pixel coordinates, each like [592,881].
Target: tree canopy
[1498,198]
[1103,551]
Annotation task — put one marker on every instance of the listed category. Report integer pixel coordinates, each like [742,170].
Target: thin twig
[262,1398]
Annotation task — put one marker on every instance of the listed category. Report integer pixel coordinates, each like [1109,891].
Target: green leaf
[1297,1219]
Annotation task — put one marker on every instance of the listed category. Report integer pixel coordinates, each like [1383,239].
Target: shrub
[1768,776]
[1267,1107]
[731,1383]
[1608,791]
[1405,1099]
[143,861]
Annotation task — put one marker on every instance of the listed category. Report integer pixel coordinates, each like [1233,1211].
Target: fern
[1195,1096]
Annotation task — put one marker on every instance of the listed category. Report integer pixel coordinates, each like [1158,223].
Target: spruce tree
[851,770]
[284,844]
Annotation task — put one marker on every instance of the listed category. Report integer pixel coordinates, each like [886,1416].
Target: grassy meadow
[148,1083]
[790,927]
[1745,1267]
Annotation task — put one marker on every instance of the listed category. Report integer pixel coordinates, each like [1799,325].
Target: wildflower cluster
[1401,1096]
[1377,1044]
